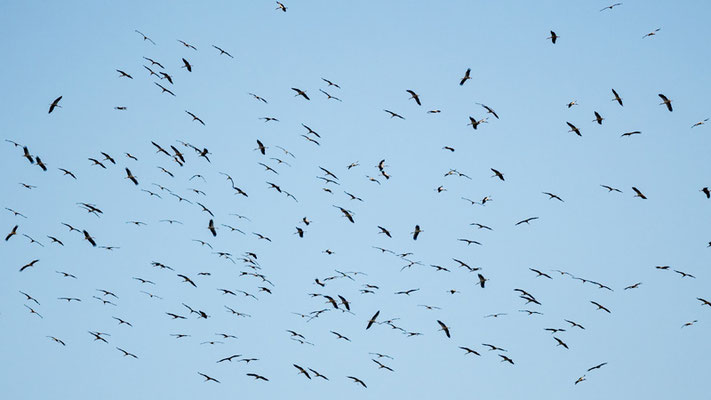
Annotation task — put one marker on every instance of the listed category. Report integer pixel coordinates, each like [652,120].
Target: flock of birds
[256,279]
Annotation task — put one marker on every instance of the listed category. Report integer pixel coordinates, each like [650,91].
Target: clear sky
[374,51]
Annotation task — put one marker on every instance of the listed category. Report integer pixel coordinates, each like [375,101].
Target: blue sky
[374,51]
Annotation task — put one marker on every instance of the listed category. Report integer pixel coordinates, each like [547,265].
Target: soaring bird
[145,37]
[88,238]
[416,232]
[666,101]
[600,307]
[617,97]
[211,228]
[414,95]
[371,321]
[497,174]
[466,76]
[187,65]
[302,371]
[356,380]
[223,52]
[123,74]
[489,110]
[573,128]
[394,114]
[208,378]
[301,93]
[281,6]
[54,104]
[195,118]
[130,176]
[553,37]
[598,118]
[638,193]
[444,328]
[13,232]
[706,192]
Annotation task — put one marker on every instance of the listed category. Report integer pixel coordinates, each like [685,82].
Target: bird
[638,193]
[552,196]
[706,191]
[573,128]
[610,7]
[302,371]
[223,51]
[665,101]
[527,220]
[444,328]
[356,380]
[208,378]
[600,307]
[330,83]
[187,65]
[186,279]
[144,36]
[195,118]
[13,232]
[394,114]
[699,123]
[130,176]
[598,118]
[489,110]
[617,98]
[482,280]
[630,133]
[597,366]
[553,37]
[281,6]
[125,353]
[414,96]
[611,189]
[123,74]
[301,93]
[466,77]
[652,33]
[416,232]
[371,321]
[497,174]
[257,377]
[560,342]
[55,104]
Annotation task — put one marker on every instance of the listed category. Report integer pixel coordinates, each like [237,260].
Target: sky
[374,52]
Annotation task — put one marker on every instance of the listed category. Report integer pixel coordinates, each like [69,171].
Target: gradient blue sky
[374,51]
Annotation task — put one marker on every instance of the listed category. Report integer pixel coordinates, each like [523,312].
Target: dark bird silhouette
[371,321]
[553,37]
[13,232]
[638,193]
[414,95]
[394,114]
[55,104]
[497,174]
[145,37]
[130,176]
[223,52]
[195,118]
[301,93]
[573,128]
[302,371]
[597,366]
[666,102]
[187,65]
[600,307]
[356,380]
[416,232]
[617,98]
[208,378]
[467,76]
[444,328]
[88,238]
